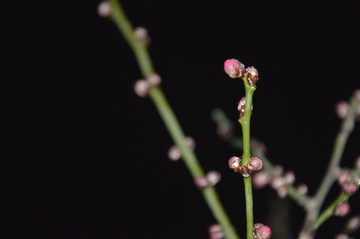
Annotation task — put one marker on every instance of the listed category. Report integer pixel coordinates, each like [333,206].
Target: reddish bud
[261,231]
[234,162]
[216,232]
[342,209]
[253,76]
[353,224]
[255,164]
[234,68]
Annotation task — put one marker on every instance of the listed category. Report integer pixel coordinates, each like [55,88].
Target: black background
[84,157]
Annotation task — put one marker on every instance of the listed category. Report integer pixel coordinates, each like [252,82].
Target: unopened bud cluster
[236,69]
[347,182]
[142,35]
[261,231]
[174,152]
[143,86]
[209,180]
[255,164]
[279,180]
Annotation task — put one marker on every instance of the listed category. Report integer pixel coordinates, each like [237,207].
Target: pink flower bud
[261,179]
[345,177]
[201,182]
[349,188]
[141,34]
[104,9]
[253,76]
[241,105]
[234,68]
[234,162]
[154,79]
[302,189]
[216,232]
[342,209]
[213,177]
[341,109]
[353,224]
[289,177]
[174,153]
[261,231]
[141,88]
[255,164]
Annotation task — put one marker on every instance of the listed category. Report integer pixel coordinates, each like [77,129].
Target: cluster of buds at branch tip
[143,86]
[216,232]
[174,153]
[347,182]
[209,180]
[142,35]
[104,9]
[236,69]
[261,231]
[235,163]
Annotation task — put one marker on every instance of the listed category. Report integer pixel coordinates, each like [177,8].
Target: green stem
[245,126]
[346,128]
[171,123]
[329,211]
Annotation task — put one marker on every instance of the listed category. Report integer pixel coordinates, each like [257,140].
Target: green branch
[167,115]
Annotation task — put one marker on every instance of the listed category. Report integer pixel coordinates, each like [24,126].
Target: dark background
[84,157]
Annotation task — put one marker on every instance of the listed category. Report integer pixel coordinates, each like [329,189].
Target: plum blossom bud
[253,76]
[261,179]
[350,188]
[104,9]
[153,79]
[289,177]
[342,108]
[141,88]
[342,209]
[345,177]
[201,182]
[216,232]
[174,152]
[261,231]
[234,162]
[234,68]
[255,164]
[213,177]
[353,224]
[141,34]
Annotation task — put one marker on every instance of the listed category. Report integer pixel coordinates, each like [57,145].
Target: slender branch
[225,127]
[167,115]
[329,211]
[346,128]
[245,126]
